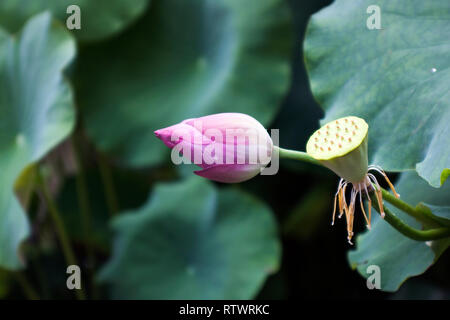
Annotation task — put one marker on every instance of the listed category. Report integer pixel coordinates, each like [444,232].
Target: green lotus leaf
[192,241]
[99,18]
[37,113]
[396,78]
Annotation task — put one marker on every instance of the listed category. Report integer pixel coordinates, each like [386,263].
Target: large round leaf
[99,18]
[397,256]
[37,113]
[191,241]
[184,59]
[396,78]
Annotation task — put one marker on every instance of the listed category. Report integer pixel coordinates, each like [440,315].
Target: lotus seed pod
[341,145]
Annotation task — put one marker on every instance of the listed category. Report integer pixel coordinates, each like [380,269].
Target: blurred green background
[86,103]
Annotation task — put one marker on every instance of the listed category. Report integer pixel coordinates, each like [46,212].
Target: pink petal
[230,173]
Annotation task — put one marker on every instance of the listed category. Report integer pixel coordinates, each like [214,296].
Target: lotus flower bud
[229,147]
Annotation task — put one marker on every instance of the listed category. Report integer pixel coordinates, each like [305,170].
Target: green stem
[60,229]
[41,278]
[108,184]
[419,215]
[296,155]
[85,208]
[27,288]
[403,228]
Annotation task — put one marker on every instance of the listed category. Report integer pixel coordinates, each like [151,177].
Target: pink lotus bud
[229,147]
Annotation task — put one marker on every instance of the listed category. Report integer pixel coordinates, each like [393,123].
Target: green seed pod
[341,145]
